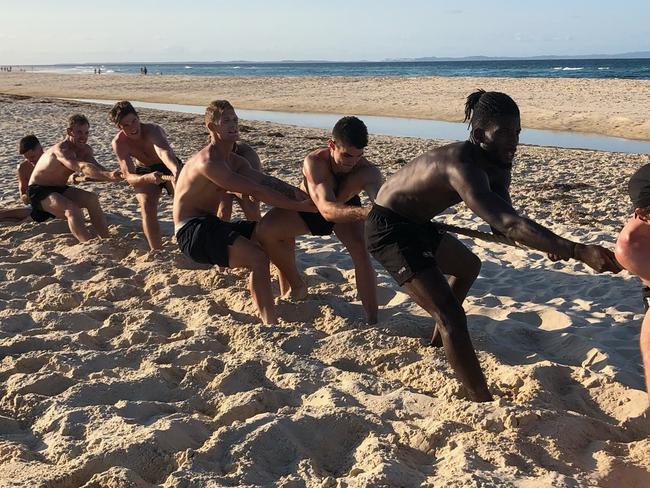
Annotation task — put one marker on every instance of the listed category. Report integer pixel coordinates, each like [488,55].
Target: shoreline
[592,106]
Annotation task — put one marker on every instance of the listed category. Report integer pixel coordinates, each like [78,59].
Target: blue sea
[555,68]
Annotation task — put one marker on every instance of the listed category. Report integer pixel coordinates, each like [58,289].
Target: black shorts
[206,239]
[403,247]
[160,168]
[36,194]
[317,224]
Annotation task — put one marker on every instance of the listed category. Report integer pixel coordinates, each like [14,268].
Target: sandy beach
[611,107]
[125,368]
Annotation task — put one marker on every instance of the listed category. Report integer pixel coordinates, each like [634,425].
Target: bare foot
[296,293]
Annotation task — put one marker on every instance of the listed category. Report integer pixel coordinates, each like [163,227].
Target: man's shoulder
[318,157]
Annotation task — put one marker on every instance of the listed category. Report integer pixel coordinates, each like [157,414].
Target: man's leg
[430,290]
[148,196]
[248,254]
[276,232]
[14,214]
[461,266]
[353,238]
[90,201]
[250,208]
[645,350]
[63,208]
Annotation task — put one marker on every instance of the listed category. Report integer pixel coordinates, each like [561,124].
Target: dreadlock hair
[483,107]
[350,131]
[28,143]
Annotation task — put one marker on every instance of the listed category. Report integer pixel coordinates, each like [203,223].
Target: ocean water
[556,68]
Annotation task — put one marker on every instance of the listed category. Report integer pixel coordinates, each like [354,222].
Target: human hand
[598,258]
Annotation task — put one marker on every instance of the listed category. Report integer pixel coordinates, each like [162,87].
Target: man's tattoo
[279,186]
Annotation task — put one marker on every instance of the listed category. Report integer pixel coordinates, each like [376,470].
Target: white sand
[122,368]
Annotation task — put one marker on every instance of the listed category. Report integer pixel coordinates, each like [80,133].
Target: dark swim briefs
[317,224]
[403,247]
[36,194]
[206,239]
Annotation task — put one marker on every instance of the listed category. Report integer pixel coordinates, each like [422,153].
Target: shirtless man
[144,156]
[51,197]
[333,177]
[205,178]
[633,252]
[402,238]
[30,148]
[249,206]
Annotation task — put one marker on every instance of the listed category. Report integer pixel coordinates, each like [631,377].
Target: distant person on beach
[30,148]
[145,156]
[48,193]
[333,177]
[633,252]
[249,206]
[206,176]
[418,255]
[144,70]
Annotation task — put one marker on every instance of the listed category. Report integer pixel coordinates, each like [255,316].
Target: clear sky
[63,31]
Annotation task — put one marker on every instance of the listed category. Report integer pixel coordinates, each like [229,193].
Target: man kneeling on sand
[51,197]
[633,252]
[30,148]
[145,156]
[206,177]
[333,176]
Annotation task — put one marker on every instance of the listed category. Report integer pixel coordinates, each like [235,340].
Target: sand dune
[125,368]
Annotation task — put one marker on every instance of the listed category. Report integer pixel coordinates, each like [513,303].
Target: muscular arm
[24,172]
[473,187]
[88,165]
[322,193]
[224,177]
[244,168]
[503,191]
[164,150]
[127,166]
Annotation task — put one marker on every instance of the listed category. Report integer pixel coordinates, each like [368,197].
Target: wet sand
[599,106]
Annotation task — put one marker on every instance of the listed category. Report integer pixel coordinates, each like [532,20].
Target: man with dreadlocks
[402,238]
[633,252]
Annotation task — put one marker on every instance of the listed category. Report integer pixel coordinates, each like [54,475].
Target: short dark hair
[121,109]
[77,119]
[350,131]
[215,109]
[28,143]
[482,108]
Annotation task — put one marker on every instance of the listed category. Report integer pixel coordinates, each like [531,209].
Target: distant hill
[632,55]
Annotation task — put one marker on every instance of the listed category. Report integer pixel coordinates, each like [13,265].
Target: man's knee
[258,260]
[451,318]
[71,211]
